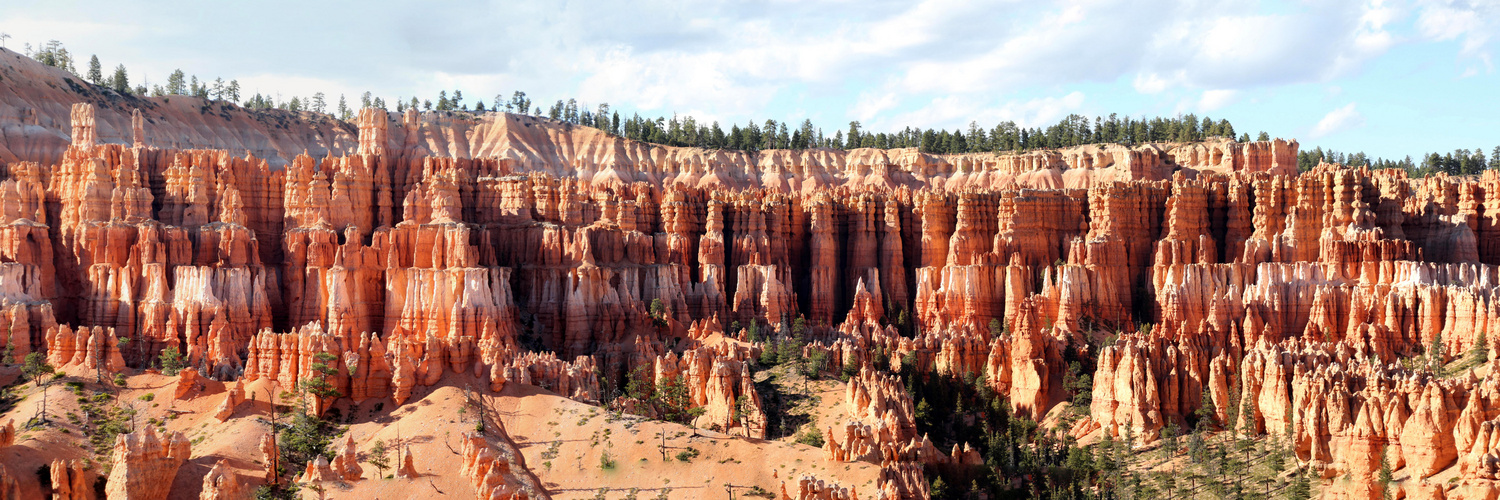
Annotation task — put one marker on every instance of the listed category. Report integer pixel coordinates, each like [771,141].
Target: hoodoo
[247,302]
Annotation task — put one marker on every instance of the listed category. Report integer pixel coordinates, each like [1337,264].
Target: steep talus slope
[36,100]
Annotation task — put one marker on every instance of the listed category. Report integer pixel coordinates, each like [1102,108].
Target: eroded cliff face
[408,250]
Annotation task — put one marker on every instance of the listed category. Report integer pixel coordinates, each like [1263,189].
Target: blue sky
[1392,78]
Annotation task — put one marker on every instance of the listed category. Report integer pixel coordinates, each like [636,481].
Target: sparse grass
[552,450]
[688,455]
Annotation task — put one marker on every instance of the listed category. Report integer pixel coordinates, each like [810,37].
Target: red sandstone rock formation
[812,488]
[95,349]
[498,471]
[270,456]
[318,471]
[346,461]
[232,399]
[406,466]
[718,380]
[145,463]
[409,258]
[10,487]
[71,481]
[222,483]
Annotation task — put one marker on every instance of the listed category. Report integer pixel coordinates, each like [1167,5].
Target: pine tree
[379,457]
[1383,478]
[177,83]
[121,81]
[42,375]
[317,384]
[1435,353]
[519,101]
[171,361]
[1480,353]
[96,73]
[1301,487]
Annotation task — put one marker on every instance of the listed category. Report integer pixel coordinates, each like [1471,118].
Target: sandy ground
[582,433]
[561,439]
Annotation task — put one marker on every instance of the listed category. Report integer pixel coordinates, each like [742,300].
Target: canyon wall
[1347,309]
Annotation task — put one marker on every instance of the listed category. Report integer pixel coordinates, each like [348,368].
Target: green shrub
[811,437]
[688,454]
[171,361]
[606,461]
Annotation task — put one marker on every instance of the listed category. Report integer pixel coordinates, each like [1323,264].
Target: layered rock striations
[1184,278]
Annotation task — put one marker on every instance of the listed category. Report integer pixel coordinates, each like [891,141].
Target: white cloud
[1336,121]
[1473,22]
[1152,83]
[871,104]
[1041,112]
[934,62]
[1215,99]
[702,85]
[958,111]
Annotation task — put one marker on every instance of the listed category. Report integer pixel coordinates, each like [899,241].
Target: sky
[1387,77]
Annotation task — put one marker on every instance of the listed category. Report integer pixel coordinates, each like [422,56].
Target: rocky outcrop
[318,471]
[232,399]
[222,483]
[145,464]
[94,349]
[498,471]
[717,380]
[533,252]
[188,384]
[346,461]
[71,481]
[10,486]
[406,464]
[811,488]
[270,457]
